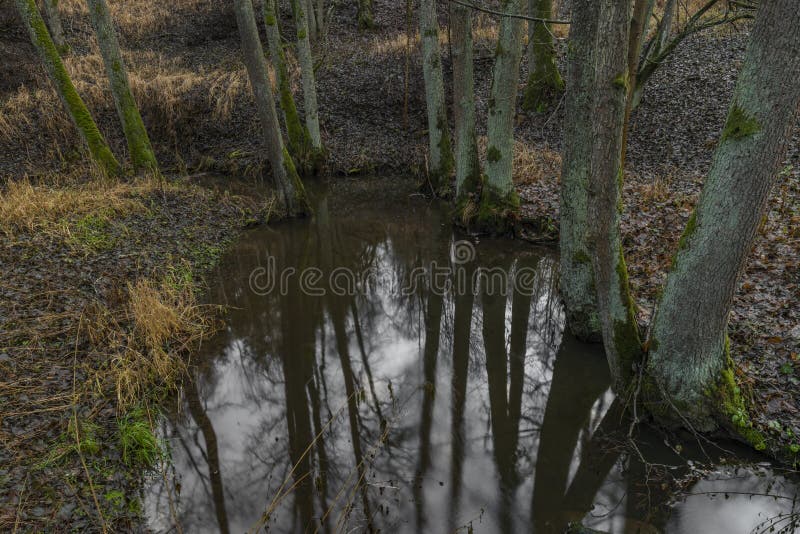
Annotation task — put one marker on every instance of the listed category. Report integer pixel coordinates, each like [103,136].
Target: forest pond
[380,373]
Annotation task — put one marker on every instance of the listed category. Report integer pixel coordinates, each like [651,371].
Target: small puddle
[378,372]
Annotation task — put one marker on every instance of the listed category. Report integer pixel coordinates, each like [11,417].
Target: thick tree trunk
[468,167]
[366,19]
[287,182]
[688,359]
[615,307]
[544,80]
[440,164]
[307,73]
[54,23]
[98,148]
[139,147]
[577,277]
[499,202]
[298,137]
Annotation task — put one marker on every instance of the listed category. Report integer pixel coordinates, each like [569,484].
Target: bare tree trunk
[139,147]
[468,167]
[616,311]
[689,354]
[54,23]
[441,162]
[544,80]
[298,138]
[577,276]
[499,201]
[366,19]
[320,17]
[98,148]
[287,182]
[307,73]
[312,19]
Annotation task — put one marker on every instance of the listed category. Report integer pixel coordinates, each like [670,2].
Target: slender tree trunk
[298,138]
[139,147]
[98,148]
[638,29]
[312,19]
[320,18]
[54,23]
[499,202]
[468,167]
[616,311]
[307,73]
[689,355]
[287,182]
[564,9]
[544,80]
[654,48]
[577,277]
[440,164]
[366,19]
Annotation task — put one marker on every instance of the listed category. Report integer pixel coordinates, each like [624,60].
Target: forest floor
[63,258]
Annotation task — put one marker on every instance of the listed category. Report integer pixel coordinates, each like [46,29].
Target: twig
[509,15]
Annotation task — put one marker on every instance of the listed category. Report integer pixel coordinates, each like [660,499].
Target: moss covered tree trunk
[290,189]
[468,169]
[499,202]
[614,304]
[544,80]
[139,147]
[54,23]
[40,37]
[366,19]
[307,72]
[440,162]
[299,140]
[688,358]
[577,277]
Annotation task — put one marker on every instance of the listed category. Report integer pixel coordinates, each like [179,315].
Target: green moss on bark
[497,213]
[740,124]
[626,333]
[729,399]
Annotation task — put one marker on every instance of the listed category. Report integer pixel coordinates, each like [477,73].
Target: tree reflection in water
[375,410]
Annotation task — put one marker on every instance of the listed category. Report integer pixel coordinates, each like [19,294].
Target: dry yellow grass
[148,339]
[531,164]
[166,322]
[28,207]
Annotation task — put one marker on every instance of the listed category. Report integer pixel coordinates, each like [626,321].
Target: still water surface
[408,400]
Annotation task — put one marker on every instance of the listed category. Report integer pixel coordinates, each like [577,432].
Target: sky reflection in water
[421,412]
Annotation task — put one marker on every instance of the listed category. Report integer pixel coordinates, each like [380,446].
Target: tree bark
[468,167]
[544,80]
[614,303]
[298,137]
[307,73]
[441,162]
[577,278]
[139,147]
[688,345]
[499,202]
[290,189]
[98,148]
[54,23]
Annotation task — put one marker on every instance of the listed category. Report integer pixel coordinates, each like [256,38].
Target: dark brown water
[379,373]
